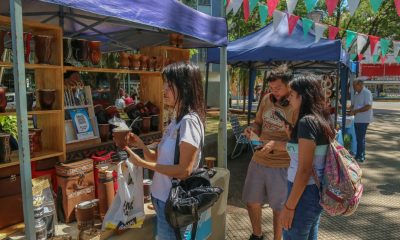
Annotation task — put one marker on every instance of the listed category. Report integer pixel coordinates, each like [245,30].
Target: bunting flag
[360,57]
[253,5]
[397,4]
[350,36]
[292,21]
[228,7]
[307,25]
[375,58]
[353,5]
[319,31]
[353,56]
[310,4]
[263,10]
[398,60]
[291,5]
[272,4]
[278,16]
[361,42]
[234,6]
[383,59]
[333,31]
[331,5]
[375,5]
[396,48]
[373,40]
[246,10]
[384,46]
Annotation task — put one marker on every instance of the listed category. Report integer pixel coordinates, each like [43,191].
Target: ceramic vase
[123,60]
[43,48]
[3,99]
[46,98]
[95,53]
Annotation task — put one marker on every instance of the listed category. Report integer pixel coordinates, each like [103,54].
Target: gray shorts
[265,185]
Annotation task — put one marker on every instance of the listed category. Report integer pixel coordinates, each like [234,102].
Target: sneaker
[254,237]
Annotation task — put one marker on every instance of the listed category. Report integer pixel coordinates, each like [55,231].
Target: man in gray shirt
[361,108]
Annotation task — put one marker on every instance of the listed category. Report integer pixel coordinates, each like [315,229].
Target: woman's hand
[286,218]
[134,158]
[269,147]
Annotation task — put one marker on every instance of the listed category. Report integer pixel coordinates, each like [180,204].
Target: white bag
[127,208]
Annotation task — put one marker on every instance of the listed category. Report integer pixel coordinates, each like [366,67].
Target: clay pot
[29,101]
[3,99]
[36,139]
[159,63]
[144,62]
[5,150]
[68,50]
[123,60]
[2,36]
[95,54]
[27,44]
[152,64]
[210,161]
[46,98]
[155,121]
[180,41]
[134,61]
[84,213]
[120,137]
[104,130]
[146,124]
[43,48]
[173,39]
[80,49]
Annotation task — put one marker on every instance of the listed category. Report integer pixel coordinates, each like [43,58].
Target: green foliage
[193,52]
[8,124]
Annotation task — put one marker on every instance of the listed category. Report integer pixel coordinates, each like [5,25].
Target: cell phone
[282,118]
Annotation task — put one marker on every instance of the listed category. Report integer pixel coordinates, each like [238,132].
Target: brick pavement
[378,214]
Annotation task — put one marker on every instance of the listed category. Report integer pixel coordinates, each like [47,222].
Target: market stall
[91,37]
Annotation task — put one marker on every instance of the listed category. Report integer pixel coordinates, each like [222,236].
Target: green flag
[376,4]
[263,9]
[350,36]
[384,46]
[307,25]
[310,4]
[375,58]
[353,56]
[398,60]
[253,4]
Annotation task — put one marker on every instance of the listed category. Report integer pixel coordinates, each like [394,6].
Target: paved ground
[378,214]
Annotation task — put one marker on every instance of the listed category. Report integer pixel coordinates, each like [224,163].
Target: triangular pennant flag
[292,22]
[398,60]
[333,31]
[263,9]
[307,25]
[310,4]
[375,5]
[383,59]
[253,5]
[331,5]
[384,46]
[246,10]
[396,48]
[397,4]
[375,58]
[353,5]
[373,40]
[319,31]
[353,56]
[350,36]
[226,2]
[361,42]
[236,4]
[291,5]
[272,4]
[278,16]
[229,7]
[360,57]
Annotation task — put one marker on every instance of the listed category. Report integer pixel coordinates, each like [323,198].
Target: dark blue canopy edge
[128,23]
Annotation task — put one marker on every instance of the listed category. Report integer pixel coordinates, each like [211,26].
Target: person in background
[128,100]
[120,101]
[361,108]
[307,147]
[266,179]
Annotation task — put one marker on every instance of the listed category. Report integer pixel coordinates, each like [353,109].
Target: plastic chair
[240,137]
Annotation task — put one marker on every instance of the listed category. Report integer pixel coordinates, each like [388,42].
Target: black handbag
[190,197]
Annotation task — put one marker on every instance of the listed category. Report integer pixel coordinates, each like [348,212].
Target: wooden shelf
[108,70]
[76,107]
[83,140]
[38,112]
[36,157]
[31,66]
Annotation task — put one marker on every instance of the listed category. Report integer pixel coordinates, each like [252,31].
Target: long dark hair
[313,103]
[186,77]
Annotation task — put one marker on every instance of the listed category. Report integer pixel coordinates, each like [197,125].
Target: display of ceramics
[95,53]
[152,63]
[134,61]
[2,36]
[144,62]
[123,60]
[46,98]
[80,49]
[43,48]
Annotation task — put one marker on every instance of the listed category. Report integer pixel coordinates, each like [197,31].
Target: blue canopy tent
[268,47]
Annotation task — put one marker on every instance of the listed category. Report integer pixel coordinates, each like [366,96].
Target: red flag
[246,10]
[292,22]
[397,3]
[331,5]
[373,40]
[333,31]
[272,4]
[227,3]
[383,59]
[360,57]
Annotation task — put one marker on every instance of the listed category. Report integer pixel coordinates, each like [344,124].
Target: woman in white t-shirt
[183,92]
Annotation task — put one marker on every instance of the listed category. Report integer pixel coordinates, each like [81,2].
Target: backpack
[341,188]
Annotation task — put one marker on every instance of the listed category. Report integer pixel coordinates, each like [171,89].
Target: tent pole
[22,116]
[252,79]
[222,132]
[343,80]
[264,86]
[337,92]
[206,87]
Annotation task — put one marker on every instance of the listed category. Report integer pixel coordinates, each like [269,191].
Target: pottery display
[134,61]
[120,137]
[159,63]
[123,60]
[179,41]
[37,139]
[173,39]
[5,150]
[80,49]
[3,99]
[43,48]
[144,62]
[29,100]
[95,53]
[154,123]
[46,98]
[27,44]
[152,63]
[104,131]
[2,36]
[146,124]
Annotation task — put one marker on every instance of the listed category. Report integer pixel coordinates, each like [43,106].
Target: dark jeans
[306,216]
[361,131]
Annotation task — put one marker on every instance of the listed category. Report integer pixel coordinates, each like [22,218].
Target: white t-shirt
[192,132]
[361,99]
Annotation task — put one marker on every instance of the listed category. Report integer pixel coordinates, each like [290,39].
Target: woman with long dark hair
[307,147]
[183,92]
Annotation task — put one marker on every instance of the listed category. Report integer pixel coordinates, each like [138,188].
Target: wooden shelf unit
[109,70]
[35,112]
[30,66]
[37,156]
